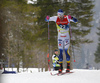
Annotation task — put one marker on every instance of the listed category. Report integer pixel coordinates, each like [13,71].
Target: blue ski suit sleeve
[74,19]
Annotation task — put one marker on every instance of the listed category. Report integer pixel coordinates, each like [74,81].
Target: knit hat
[55,50]
[60,12]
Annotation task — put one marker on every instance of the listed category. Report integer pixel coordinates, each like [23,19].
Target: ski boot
[60,68]
[68,67]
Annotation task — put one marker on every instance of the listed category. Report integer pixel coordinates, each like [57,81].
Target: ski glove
[47,19]
[74,19]
[69,17]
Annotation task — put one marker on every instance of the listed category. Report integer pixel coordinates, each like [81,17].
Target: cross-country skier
[55,59]
[63,22]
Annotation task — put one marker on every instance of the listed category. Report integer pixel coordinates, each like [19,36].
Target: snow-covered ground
[33,76]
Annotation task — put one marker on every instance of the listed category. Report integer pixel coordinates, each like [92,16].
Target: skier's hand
[75,20]
[47,18]
[69,17]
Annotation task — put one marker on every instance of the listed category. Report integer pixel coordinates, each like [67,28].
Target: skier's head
[56,51]
[60,13]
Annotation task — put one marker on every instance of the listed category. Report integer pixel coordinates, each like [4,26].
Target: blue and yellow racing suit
[63,35]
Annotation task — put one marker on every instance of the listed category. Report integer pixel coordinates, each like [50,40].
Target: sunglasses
[60,14]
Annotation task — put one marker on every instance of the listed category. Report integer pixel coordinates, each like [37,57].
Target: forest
[24,32]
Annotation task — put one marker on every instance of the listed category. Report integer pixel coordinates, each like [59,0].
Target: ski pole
[48,38]
[48,56]
[73,52]
[72,42]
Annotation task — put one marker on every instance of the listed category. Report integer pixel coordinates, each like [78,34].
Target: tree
[81,9]
[24,30]
[19,22]
[97,53]
[2,57]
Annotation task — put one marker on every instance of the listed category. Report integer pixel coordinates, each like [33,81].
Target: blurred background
[24,32]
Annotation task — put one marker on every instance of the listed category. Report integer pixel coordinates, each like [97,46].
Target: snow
[33,76]
[31,1]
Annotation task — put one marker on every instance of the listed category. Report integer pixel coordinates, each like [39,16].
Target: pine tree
[24,30]
[18,22]
[80,9]
[97,53]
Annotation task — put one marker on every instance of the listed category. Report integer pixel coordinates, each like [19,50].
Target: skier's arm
[54,58]
[53,18]
[73,19]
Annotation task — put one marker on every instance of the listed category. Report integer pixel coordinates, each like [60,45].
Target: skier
[63,24]
[55,60]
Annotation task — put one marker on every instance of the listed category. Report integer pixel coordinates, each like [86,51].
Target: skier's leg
[61,56]
[67,42]
[61,60]
[60,46]
[67,60]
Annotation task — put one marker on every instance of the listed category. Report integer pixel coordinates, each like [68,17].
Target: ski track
[79,76]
